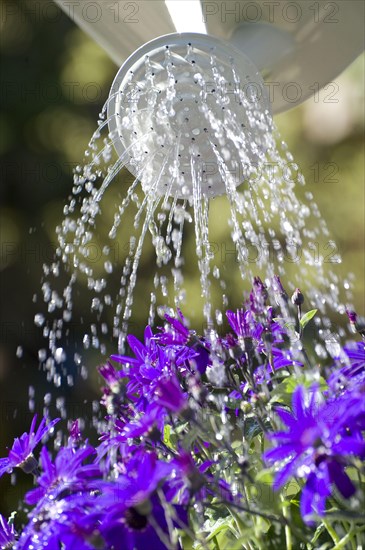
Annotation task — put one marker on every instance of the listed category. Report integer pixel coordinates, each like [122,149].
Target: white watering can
[298,46]
[167,105]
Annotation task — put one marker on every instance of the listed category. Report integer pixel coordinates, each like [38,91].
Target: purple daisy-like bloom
[144,353]
[149,424]
[110,375]
[21,453]
[279,291]
[67,473]
[193,481]
[258,296]
[132,509]
[70,523]
[263,333]
[152,364]
[175,332]
[136,530]
[281,358]
[317,446]
[171,396]
[7,533]
[356,354]
[353,373]
[244,324]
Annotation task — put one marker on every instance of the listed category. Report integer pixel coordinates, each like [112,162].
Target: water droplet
[42,355]
[60,355]
[108,266]
[39,319]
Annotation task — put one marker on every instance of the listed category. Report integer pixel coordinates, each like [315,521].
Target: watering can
[298,46]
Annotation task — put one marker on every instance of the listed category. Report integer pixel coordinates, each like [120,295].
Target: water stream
[216,145]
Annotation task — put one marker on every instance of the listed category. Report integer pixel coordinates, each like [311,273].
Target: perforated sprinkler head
[190,113]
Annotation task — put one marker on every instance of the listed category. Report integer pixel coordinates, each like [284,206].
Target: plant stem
[270,517]
[288,535]
[344,540]
[334,536]
[300,333]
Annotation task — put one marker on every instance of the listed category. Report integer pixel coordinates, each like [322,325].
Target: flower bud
[246,407]
[29,465]
[352,315]
[356,325]
[279,290]
[297,298]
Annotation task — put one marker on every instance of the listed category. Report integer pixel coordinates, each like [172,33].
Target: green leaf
[265,476]
[307,317]
[320,529]
[166,435]
[284,391]
[286,323]
[252,429]
[221,525]
[344,515]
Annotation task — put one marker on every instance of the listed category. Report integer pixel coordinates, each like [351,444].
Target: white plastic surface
[298,46]
[181,101]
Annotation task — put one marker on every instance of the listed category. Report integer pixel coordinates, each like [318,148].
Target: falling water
[194,129]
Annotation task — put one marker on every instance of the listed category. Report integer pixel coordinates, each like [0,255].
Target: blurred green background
[54,80]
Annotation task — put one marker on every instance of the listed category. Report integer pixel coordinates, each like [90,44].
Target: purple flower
[352,316]
[140,526]
[352,374]
[279,291]
[193,481]
[170,396]
[149,424]
[297,298]
[68,473]
[347,411]
[280,358]
[244,324]
[21,453]
[70,523]
[356,324]
[258,296]
[75,438]
[317,446]
[132,508]
[152,363]
[175,331]
[144,353]
[110,375]
[7,533]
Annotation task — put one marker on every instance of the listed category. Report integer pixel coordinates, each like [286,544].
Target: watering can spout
[189,109]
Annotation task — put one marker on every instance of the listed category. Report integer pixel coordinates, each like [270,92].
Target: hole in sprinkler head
[168,120]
